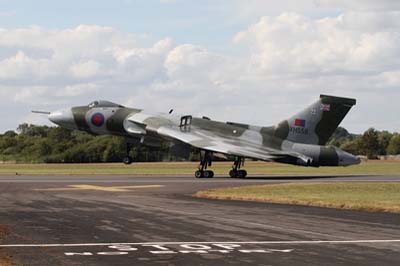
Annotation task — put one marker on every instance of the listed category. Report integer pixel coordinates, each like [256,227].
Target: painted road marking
[290,242]
[167,248]
[98,188]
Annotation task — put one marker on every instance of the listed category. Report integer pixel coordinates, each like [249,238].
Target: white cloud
[352,54]
[197,64]
[31,94]
[22,66]
[77,90]
[59,59]
[167,1]
[363,5]
[372,21]
[284,62]
[86,69]
[251,9]
[293,43]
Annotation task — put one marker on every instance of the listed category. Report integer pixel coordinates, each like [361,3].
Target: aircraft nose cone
[63,118]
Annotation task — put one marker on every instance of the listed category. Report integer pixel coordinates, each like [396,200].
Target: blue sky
[186,21]
[208,22]
[255,61]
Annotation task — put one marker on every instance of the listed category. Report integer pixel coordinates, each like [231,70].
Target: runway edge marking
[214,242]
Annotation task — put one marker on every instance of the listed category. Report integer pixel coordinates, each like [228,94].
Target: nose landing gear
[128,159]
[205,161]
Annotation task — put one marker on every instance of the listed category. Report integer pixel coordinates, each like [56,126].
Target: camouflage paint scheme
[298,140]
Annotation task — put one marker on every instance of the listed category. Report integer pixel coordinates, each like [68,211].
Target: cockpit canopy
[96,104]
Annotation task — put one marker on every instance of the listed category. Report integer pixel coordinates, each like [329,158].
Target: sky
[255,61]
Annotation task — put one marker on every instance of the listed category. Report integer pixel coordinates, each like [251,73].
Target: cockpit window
[93,104]
[104,104]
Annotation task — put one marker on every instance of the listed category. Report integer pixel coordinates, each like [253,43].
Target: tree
[115,150]
[368,144]
[10,134]
[339,137]
[394,145]
[32,130]
[58,145]
[384,138]
[351,147]
[23,128]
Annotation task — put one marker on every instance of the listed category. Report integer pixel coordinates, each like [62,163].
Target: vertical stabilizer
[316,123]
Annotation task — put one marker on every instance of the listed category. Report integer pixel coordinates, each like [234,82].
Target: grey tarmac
[153,220]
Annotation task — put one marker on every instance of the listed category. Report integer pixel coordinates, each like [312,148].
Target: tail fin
[316,123]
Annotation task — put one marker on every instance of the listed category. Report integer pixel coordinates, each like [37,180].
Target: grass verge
[373,197]
[188,168]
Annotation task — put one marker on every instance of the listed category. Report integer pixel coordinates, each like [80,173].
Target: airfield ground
[373,197]
[373,167]
[125,219]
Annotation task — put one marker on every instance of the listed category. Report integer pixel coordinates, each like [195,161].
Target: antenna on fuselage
[170,111]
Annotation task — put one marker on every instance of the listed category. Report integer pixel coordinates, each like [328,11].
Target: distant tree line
[372,143]
[40,144]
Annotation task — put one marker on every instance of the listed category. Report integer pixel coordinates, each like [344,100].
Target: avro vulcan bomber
[299,140]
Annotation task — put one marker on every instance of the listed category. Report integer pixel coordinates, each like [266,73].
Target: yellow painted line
[98,188]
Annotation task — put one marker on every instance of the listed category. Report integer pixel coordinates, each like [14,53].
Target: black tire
[206,174]
[210,174]
[242,173]
[199,174]
[233,173]
[127,160]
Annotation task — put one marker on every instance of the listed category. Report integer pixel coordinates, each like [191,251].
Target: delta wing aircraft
[299,140]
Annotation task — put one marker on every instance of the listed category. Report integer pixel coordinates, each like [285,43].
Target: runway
[153,220]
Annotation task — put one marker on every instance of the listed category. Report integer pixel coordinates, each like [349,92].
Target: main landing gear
[128,159]
[236,172]
[206,158]
[205,161]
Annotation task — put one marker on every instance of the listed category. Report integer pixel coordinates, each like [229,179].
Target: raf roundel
[98,119]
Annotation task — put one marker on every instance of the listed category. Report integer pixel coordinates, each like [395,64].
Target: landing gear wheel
[199,174]
[128,160]
[208,174]
[236,172]
[242,173]
[233,173]
[204,174]
[206,158]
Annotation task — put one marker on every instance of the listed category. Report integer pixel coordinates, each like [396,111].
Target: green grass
[188,168]
[375,197]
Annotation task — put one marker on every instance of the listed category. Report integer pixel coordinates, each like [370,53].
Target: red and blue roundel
[98,119]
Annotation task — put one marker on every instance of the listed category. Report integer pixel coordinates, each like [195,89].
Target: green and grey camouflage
[299,140]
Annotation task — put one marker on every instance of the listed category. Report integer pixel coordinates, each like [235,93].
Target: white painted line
[363,241]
